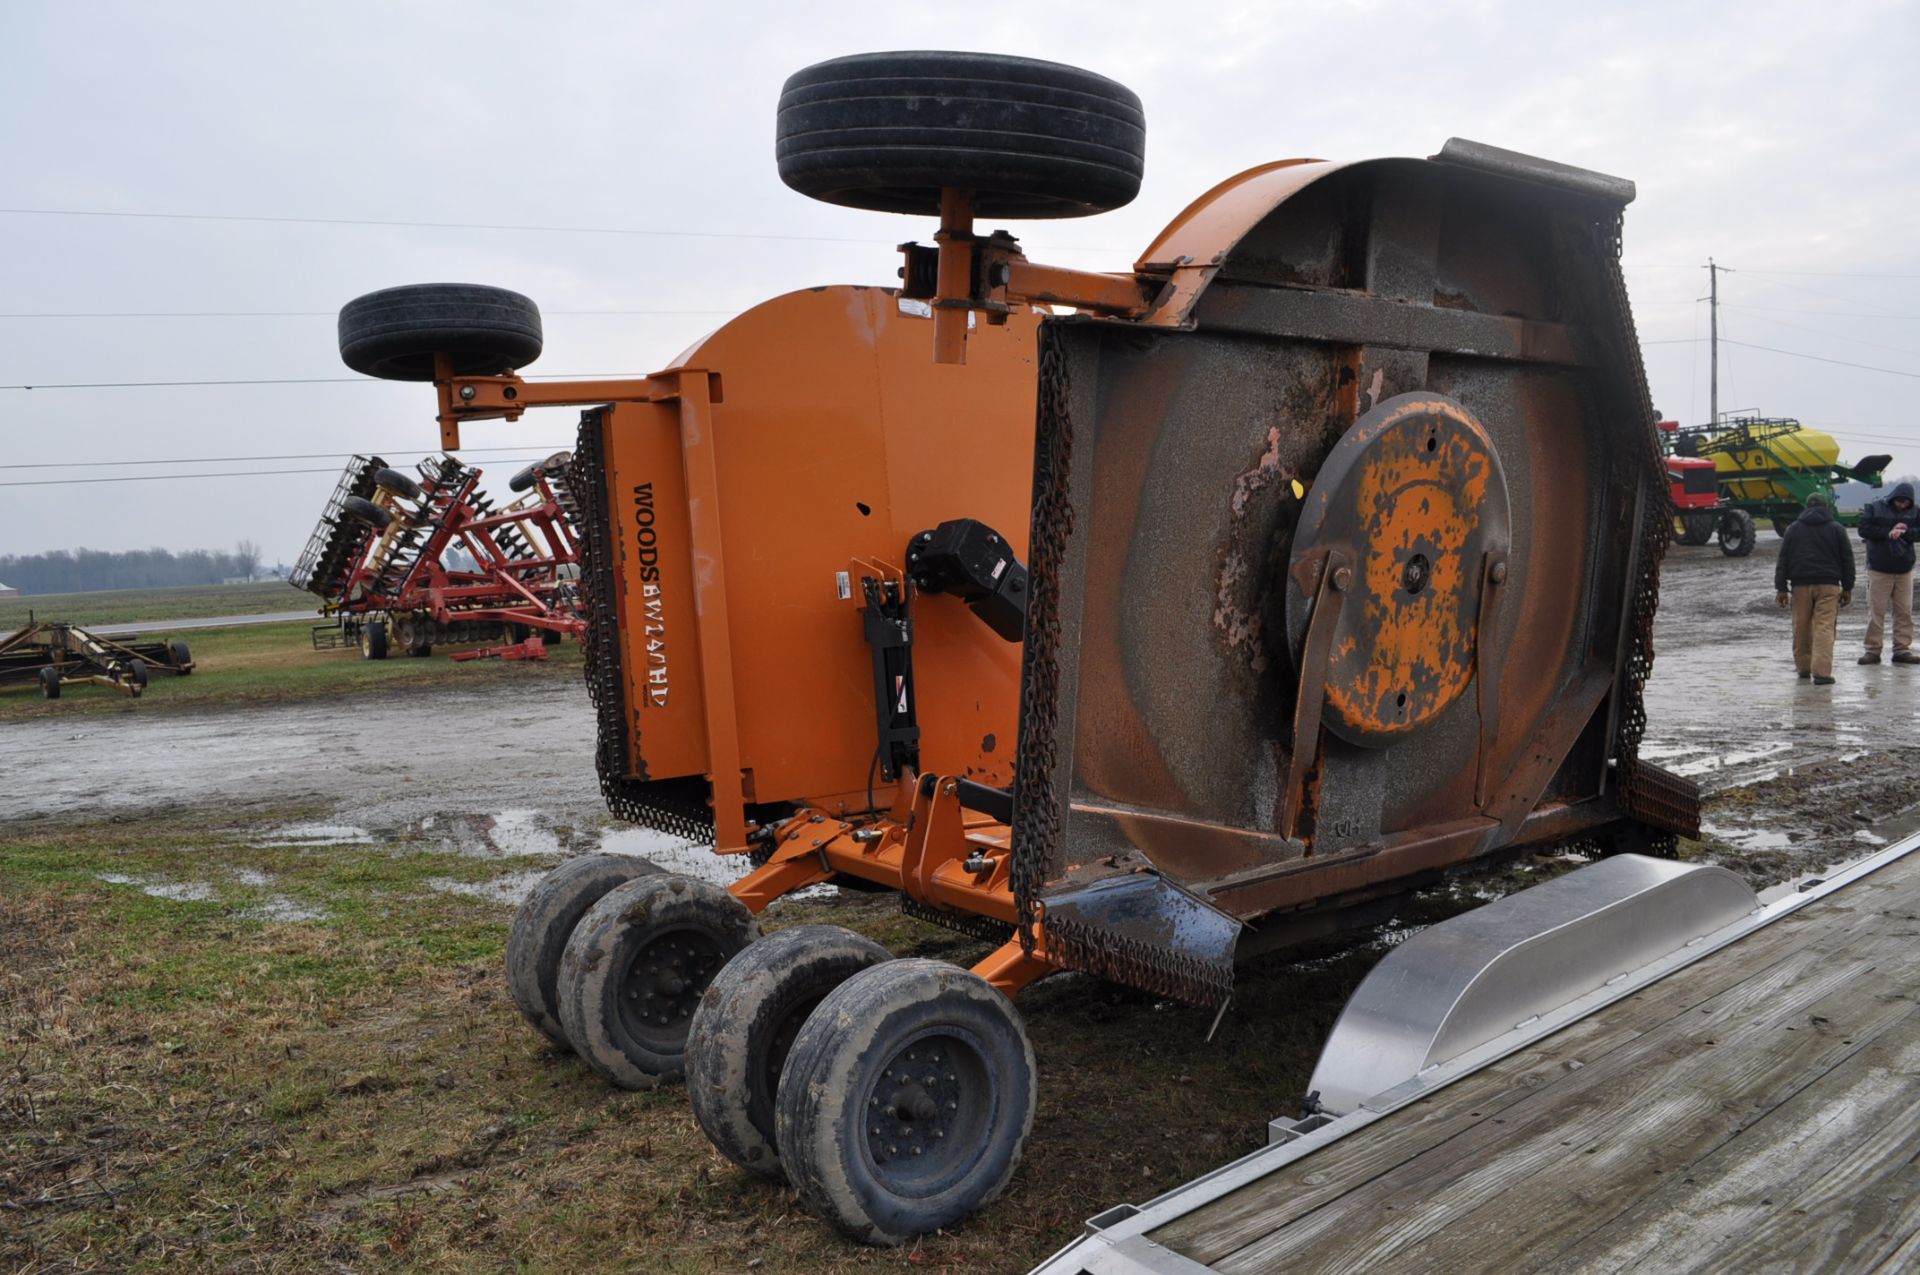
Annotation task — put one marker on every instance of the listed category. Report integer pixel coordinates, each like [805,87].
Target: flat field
[125,606]
[276,664]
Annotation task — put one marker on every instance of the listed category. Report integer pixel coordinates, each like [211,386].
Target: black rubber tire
[746,1025]
[182,658]
[1780,526]
[873,1186]
[1696,529]
[361,509]
[397,483]
[420,650]
[522,481]
[635,967]
[394,333]
[373,640]
[1737,533]
[545,921]
[50,683]
[889,131]
[136,673]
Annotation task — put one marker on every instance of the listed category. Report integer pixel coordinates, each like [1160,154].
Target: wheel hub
[923,1096]
[665,981]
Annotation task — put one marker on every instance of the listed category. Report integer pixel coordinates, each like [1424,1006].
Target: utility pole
[1713,339]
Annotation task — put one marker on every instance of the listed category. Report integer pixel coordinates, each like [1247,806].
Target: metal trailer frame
[1438,1008]
[54,655]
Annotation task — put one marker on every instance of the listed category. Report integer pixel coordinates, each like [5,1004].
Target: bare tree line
[83,570]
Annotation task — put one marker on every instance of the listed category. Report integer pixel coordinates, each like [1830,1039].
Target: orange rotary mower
[1136,622]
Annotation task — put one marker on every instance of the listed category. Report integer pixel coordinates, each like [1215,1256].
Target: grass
[192,1085]
[127,606]
[270,662]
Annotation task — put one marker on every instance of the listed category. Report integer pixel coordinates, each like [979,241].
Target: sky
[633,143]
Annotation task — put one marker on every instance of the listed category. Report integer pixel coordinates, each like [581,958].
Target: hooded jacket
[1894,557]
[1816,551]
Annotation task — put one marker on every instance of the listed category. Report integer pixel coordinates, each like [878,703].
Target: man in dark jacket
[1885,526]
[1816,562]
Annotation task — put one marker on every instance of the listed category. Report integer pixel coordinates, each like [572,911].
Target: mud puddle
[1797,777]
[1794,773]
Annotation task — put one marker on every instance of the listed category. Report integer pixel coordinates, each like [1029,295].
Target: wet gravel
[1798,776]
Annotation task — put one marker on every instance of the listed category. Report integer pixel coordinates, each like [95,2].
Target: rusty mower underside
[1344,547]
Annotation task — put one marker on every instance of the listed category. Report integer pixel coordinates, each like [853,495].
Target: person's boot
[1905,657]
[1822,681]
[1871,657]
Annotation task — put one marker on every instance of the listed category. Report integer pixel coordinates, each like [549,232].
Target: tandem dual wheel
[895,1095]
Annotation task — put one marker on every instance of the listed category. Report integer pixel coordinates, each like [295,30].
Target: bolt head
[1499,572]
[1343,578]
[467,392]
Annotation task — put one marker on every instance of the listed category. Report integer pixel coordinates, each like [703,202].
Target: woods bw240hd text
[1137,621]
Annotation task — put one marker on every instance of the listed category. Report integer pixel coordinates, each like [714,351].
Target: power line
[305,380]
[1811,274]
[223,460]
[427,225]
[1694,340]
[159,478]
[1834,336]
[476,225]
[1795,354]
[1837,314]
[296,314]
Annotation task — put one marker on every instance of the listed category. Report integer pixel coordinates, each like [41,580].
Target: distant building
[7,591]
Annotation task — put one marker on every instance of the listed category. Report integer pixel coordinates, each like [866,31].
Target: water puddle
[1732,760]
[281,908]
[318,834]
[509,889]
[1750,838]
[276,907]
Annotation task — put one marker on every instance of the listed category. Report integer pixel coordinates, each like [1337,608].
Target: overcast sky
[1779,138]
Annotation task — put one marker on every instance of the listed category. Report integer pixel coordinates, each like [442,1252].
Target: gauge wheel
[395,334]
[360,509]
[745,1028]
[906,1101]
[890,131]
[543,923]
[634,970]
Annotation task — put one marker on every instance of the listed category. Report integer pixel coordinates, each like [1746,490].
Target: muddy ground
[251,1016]
[1796,774]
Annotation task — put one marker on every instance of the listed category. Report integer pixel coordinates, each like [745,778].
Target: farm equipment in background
[1724,479]
[382,561]
[1313,557]
[54,655]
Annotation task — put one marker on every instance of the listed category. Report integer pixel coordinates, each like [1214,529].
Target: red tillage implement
[382,560]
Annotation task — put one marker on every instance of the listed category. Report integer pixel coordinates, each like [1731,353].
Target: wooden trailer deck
[1758,1109]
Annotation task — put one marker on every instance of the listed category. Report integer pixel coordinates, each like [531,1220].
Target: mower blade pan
[1493,550]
